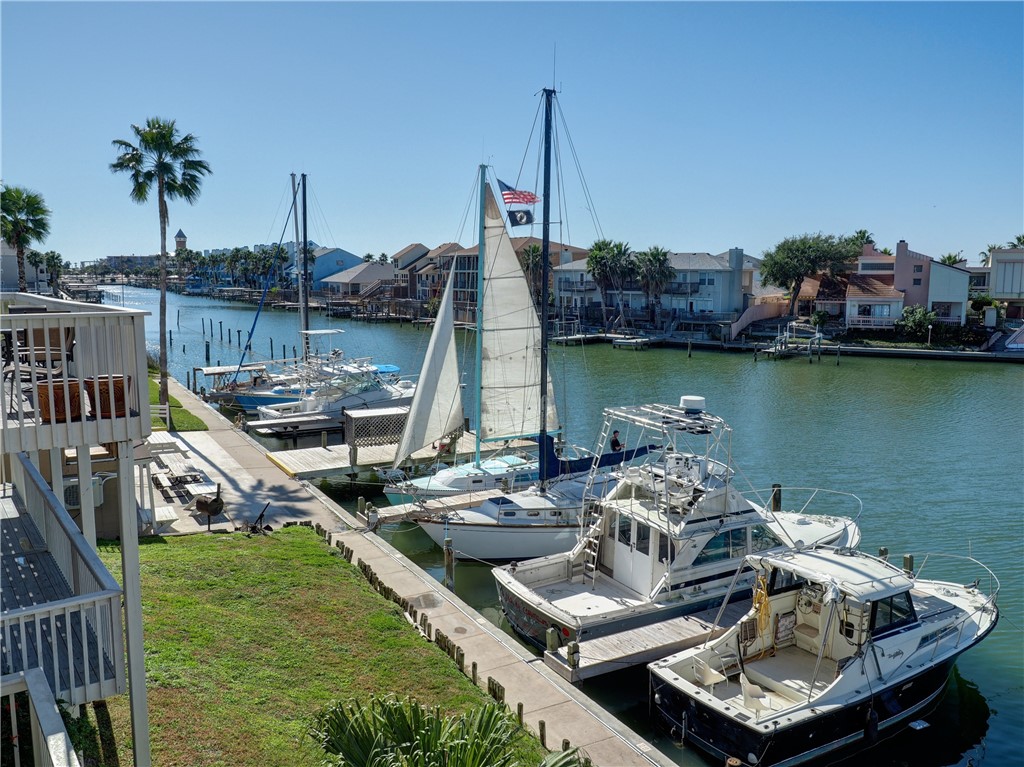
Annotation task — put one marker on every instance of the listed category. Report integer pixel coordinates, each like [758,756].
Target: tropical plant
[795,258]
[24,219]
[952,259]
[388,732]
[621,267]
[915,321]
[599,268]
[35,259]
[1016,242]
[163,158]
[655,274]
[55,265]
[530,261]
[862,237]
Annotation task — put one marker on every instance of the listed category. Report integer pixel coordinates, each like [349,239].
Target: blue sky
[697,126]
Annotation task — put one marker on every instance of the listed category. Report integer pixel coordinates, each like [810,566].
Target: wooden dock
[643,644]
[408,511]
[295,425]
[348,460]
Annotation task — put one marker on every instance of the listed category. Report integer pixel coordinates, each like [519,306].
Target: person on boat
[616,444]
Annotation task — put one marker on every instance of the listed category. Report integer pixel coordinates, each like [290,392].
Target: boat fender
[871,726]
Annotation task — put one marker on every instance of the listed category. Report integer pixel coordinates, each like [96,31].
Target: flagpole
[545,268]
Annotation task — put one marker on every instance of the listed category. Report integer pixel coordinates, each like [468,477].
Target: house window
[917,280]
[876,267]
[918,268]
[706,278]
[873,310]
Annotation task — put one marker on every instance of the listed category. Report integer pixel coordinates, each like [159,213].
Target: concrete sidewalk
[249,481]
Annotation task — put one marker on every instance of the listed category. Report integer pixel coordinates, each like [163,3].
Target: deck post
[449,565]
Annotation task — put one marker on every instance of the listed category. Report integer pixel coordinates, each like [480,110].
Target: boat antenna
[545,258]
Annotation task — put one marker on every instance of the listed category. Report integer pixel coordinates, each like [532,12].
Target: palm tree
[621,265]
[598,266]
[170,161]
[1016,242]
[655,273]
[35,259]
[55,265]
[986,255]
[952,259]
[529,260]
[25,219]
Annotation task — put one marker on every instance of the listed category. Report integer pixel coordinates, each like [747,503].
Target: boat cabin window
[625,530]
[892,613]
[643,538]
[762,538]
[785,580]
[725,545]
[666,551]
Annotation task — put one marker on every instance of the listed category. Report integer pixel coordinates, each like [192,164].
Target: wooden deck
[29,577]
[643,644]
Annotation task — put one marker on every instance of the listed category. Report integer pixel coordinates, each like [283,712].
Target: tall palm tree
[655,273]
[163,158]
[952,259]
[35,259]
[621,266]
[1016,242]
[599,268]
[25,219]
[55,265]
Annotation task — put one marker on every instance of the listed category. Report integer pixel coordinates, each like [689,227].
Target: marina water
[935,449]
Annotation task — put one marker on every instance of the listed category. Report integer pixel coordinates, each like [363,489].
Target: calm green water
[934,449]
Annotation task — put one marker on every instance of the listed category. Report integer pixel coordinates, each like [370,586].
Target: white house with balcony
[74,393]
[705,288]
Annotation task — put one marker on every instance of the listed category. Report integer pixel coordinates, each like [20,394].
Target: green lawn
[246,638]
[180,417]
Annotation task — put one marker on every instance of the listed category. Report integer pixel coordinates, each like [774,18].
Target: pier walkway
[494,660]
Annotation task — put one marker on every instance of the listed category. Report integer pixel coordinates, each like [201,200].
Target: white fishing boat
[665,540]
[839,650]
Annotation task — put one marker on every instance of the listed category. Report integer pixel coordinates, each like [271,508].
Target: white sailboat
[508,366]
[539,512]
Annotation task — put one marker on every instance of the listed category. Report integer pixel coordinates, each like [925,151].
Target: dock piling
[449,565]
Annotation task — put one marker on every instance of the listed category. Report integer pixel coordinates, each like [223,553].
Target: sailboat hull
[502,543]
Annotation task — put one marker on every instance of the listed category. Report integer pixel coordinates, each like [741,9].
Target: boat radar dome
[691,404]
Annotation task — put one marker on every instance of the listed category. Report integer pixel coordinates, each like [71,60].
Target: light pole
[929,335]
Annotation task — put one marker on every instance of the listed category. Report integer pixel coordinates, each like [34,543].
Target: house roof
[365,272]
[703,262]
[824,287]
[879,287]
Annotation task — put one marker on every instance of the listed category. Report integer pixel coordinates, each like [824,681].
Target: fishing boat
[839,649]
[666,539]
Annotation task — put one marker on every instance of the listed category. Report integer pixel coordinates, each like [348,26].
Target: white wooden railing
[85,661]
[83,368]
[51,746]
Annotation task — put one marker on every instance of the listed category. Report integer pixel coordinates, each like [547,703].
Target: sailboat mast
[304,279]
[545,250]
[479,309]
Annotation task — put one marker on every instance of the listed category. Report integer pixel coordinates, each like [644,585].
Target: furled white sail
[436,408]
[510,390]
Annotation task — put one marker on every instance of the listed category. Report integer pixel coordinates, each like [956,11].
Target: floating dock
[293,426]
[408,511]
[643,644]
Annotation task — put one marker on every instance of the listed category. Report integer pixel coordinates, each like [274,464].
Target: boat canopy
[865,578]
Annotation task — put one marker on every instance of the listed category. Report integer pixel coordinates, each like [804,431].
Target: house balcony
[567,285]
[73,374]
[61,607]
[870,322]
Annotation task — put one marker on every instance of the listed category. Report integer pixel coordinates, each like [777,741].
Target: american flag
[515,197]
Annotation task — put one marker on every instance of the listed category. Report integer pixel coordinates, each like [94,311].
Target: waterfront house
[362,280]
[885,284]
[330,261]
[705,290]
[1002,279]
[37,280]
[74,411]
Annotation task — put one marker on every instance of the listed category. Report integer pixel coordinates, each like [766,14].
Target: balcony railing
[73,633]
[73,374]
[870,322]
[51,745]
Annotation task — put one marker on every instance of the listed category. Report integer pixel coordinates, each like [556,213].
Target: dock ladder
[592,537]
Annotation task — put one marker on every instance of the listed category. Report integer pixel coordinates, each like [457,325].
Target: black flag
[520,217]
